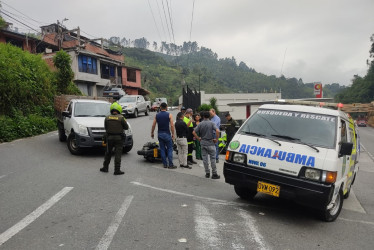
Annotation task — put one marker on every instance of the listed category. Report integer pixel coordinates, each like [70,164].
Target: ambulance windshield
[313,129]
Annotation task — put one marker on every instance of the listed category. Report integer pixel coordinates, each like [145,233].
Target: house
[23,41]
[95,66]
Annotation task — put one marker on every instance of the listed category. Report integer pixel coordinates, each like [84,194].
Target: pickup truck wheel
[147,111]
[72,145]
[127,149]
[61,131]
[135,113]
[245,193]
[333,213]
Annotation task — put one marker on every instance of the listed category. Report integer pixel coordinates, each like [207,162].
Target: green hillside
[165,75]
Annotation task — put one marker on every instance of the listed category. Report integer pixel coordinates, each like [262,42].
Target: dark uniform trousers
[115,141]
[114,126]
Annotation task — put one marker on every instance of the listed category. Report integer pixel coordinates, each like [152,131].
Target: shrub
[24,126]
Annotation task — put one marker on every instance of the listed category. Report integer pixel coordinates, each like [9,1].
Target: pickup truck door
[141,104]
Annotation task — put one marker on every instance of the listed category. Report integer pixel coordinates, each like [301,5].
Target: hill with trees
[362,89]
[167,69]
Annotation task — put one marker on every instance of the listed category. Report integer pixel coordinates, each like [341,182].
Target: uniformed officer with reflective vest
[188,120]
[114,124]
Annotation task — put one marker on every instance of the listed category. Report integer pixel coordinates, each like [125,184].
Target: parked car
[361,123]
[80,122]
[115,93]
[134,104]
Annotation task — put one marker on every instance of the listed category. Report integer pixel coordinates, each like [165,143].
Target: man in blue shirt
[165,132]
[217,121]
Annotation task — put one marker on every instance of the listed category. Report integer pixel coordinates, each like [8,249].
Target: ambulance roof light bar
[312,103]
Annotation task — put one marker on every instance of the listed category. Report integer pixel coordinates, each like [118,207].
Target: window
[87,64]
[313,129]
[131,75]
[107,71]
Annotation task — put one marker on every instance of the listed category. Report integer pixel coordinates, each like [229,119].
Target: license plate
[110,93]
[155,152]
[267,188]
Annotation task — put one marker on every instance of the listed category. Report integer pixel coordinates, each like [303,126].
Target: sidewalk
[198,169]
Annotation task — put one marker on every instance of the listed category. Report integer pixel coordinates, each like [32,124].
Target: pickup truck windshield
[91,109]
[298,127]
[127,99]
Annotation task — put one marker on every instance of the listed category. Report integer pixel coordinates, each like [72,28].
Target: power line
[23,19]
[162,23]
[193,8]
[23,14]
[171,20]
[154,20]
[18,21]
[166,20]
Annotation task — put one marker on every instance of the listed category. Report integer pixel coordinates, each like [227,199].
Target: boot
[117,171]
[104,169]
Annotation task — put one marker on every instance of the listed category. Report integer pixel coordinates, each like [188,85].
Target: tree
[141,43]
[64,74]
[362,89]
[2,22]
[213,103]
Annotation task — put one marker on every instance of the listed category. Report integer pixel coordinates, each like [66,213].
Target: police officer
[114,125]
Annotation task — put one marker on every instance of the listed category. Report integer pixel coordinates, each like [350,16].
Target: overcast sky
[315,40]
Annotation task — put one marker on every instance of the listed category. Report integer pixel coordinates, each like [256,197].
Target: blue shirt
[217,121]
[163,122]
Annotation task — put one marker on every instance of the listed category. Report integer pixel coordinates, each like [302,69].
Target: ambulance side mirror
[345,148]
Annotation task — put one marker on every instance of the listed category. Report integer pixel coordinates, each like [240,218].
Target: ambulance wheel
[244,193]
[331,214]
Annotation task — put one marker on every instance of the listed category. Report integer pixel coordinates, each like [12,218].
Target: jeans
[166,148]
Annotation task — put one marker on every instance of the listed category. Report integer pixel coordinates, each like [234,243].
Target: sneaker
[119,172]
[207,175]
[165,166]
[217,161]
[182,166]
[215,176]
[104,169]
[193,162]
[189,163]
[172,167]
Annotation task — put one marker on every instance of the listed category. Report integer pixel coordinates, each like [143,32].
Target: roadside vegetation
[27,89]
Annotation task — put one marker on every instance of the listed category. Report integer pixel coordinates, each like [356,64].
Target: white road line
[250,225]
[2,176]
[195,196]
[359,221]
[33,216]
[112,229]
[223,202]
[206,228]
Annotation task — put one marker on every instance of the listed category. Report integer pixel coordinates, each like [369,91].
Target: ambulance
[304,153]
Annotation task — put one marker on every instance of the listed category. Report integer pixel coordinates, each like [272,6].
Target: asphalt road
[50,199]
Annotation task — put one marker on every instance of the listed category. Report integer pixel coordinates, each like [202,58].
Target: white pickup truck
[80,121]
[134,104]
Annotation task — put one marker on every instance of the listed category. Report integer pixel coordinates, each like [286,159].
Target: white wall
[238,112]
